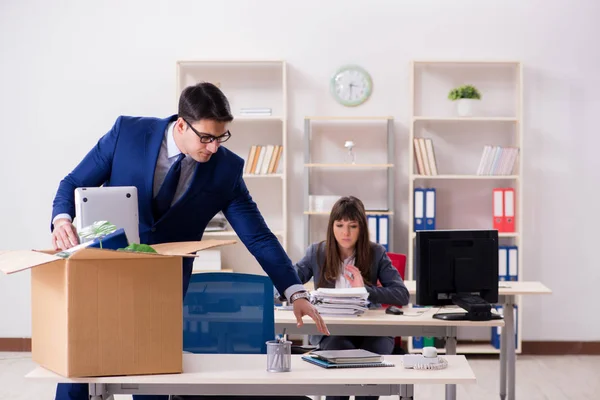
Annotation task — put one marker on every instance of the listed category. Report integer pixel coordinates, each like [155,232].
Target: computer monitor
[458,267]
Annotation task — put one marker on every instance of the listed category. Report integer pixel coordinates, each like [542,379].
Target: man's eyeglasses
[206,138]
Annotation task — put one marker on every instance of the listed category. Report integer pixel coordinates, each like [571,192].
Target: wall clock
[351,85]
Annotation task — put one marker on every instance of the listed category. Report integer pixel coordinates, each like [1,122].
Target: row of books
[264,159]
[497,160]
[503,209]
[425,156]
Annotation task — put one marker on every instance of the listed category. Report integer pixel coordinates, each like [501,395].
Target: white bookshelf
[464,198]
[327,170]
[247,84]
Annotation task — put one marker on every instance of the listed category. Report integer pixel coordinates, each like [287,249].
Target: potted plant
[464,96]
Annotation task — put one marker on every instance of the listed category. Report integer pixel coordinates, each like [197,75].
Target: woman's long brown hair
[347,209]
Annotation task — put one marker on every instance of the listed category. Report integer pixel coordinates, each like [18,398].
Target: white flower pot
[464,107]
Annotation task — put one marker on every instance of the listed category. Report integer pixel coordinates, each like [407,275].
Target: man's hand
[64,235]
[303,307]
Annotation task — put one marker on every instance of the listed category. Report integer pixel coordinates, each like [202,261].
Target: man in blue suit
[184,178]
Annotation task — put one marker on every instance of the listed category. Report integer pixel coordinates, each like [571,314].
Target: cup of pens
[279,355]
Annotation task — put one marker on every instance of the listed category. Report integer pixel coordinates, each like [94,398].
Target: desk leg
[451,334]
[407,392]
[98,392]
[503,352]
[509,332]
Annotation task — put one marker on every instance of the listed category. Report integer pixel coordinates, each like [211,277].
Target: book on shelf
[497,160]
[425,156]
[264,160]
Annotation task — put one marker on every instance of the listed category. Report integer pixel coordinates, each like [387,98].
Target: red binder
[509,210]
[498,209]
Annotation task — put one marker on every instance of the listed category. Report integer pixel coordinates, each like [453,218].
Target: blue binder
[419,209]
[383,229]
[430,206]
[513,263]
[503,263]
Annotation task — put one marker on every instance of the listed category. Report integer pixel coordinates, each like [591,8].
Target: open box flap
[20,260]
[188,249]
[92,253]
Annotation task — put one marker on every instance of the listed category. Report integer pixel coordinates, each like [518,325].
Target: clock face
[351,85]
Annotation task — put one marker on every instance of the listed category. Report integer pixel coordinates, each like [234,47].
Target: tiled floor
[539,377]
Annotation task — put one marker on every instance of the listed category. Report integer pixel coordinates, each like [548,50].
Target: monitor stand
[477,309]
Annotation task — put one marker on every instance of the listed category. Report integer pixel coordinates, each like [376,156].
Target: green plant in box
[97,230]
[139,248]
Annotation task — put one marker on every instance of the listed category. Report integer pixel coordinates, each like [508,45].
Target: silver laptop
[115,204]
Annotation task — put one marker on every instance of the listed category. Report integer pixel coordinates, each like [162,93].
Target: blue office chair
[228,313]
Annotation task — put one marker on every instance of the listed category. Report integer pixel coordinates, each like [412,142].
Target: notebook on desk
[326,364]
[348,356]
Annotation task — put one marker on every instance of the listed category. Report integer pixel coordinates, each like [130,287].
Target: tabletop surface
[504,288]
[250,369]
[412,316]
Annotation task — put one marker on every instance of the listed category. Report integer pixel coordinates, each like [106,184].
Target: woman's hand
[353,276]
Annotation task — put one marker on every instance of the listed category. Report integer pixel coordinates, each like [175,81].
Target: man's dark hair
[204,101]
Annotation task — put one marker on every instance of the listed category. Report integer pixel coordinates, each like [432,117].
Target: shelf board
[233,61]
[450,119]
[262,176]
[450,62]
[349,166]
[475,177]
[349,118]
[500,234]
[368,212]
[247,118]
[230,233]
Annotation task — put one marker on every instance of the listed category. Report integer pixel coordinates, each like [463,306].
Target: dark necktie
[165,195]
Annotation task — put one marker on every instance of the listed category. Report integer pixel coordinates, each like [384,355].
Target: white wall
[67,71]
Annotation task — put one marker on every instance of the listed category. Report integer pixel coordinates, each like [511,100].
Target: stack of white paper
[350,301]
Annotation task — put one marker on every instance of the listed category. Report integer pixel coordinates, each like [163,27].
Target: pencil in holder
[279,356]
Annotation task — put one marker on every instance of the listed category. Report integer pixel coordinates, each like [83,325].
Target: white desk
[391,325]
[414,322]
[507,293]
[245,374]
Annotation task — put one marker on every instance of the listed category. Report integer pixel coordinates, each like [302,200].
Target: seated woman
[347,258]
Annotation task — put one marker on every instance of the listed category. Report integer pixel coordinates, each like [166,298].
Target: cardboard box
[103,312]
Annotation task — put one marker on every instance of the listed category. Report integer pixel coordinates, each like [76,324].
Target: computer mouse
[394,310]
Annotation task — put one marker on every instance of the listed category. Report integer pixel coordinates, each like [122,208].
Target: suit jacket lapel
[153,140]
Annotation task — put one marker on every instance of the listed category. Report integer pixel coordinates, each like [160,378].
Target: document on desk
[327,364]
[360,293]
[347,301]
